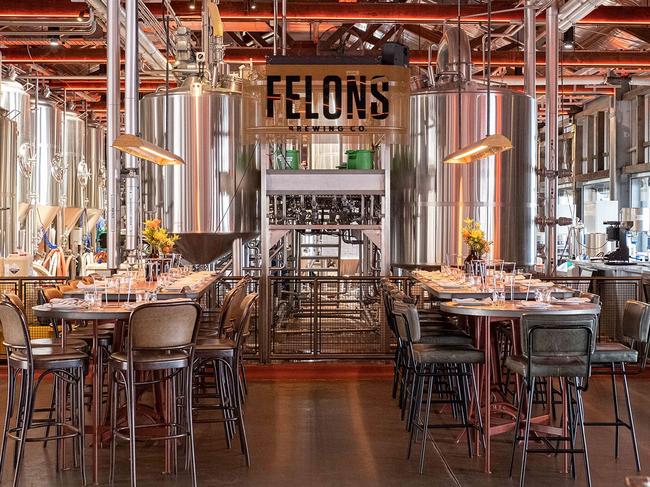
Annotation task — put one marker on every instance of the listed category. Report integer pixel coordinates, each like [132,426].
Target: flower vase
[472,256]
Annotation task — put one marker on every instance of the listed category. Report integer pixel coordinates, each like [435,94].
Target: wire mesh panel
[292,316]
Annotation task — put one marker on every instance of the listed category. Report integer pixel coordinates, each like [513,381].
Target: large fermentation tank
[213,198]
[8,170]
[430,199]
[74,135]
[47,150]
[16,101]
[96,162]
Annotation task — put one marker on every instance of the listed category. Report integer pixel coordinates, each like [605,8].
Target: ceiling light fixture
[55,41]
[80,16]
[138,147]
[490,144]
[253,5]
[192,4]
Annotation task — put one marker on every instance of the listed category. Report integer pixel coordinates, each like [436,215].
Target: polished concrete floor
[348,433]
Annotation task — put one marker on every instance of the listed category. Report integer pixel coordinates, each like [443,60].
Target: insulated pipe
[530,73]
[550,142]
[131,163]
[205,32]
[275,27]
[113,221]
[284,27]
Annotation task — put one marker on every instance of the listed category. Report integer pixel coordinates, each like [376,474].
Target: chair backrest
[50,293]
[407,321]
[244,321]
[549,337]
[635,325]
[15,300]
[164,325]
[231,304]
[14,327]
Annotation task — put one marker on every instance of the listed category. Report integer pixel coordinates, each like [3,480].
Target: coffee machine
[617,232]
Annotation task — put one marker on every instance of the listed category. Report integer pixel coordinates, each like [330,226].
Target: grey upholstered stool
[558,346]
[635,330]
[67,365]
[450,366]
[160,349]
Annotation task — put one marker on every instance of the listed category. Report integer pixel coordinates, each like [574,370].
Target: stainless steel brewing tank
[74,137]
[8,174]
[48,178]
[429,199]
[96,163]
[16,101]
[213,198]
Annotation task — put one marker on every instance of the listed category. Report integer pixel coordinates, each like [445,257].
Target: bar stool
[450,365]
[636,332]
[555,347]
[66,365]
[223,354]
[161,339]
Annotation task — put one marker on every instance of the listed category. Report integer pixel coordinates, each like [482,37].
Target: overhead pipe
[81,25]
[530,48]
[574,10]
[550,141]
[284,27]
[132,163]
[152,56]
[113,223]
[275,27]
[514,80]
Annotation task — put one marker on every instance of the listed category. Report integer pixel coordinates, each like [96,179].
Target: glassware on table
[150,296]
[499,298]
[140,295]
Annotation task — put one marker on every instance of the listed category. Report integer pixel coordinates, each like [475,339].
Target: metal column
[131,163]
[530,44]
[113,221]
[550,142]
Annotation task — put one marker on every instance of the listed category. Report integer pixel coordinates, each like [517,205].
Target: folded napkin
[574,300]
[533,305]
[67,303]
[99,285]
[450,284]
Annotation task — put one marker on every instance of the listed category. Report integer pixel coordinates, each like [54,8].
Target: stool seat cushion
[607,353]
[443,354]
[151,360]
[50,358]
[215,347]
[564,366]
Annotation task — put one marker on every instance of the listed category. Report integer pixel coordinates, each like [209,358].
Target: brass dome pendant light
[490,144]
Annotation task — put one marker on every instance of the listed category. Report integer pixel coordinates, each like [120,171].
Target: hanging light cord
[489,62]
[460,81]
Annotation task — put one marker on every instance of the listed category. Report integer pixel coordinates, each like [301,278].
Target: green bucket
[359,159]
[289,160]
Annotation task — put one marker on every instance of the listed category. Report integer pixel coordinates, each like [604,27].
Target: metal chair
[555,347]
[160,349]
[635,330]
[451,367]
[223,355]
[67,365]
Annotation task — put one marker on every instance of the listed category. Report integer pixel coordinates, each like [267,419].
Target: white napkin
[472,301]
[533,305]
[67,303]
[99,285]
[574,300]
[450,284]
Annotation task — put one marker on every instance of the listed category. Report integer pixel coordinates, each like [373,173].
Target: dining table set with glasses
[510,353]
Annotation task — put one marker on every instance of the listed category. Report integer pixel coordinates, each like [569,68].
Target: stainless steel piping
[150,53]
[131,163]
[23,22]
[205,32]
[550,141]
[275,27]
[530,73]
[284,27]
[113,220]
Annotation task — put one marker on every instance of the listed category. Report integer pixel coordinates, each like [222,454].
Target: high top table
[483,315]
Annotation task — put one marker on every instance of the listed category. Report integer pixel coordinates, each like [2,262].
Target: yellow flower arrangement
[157,237]
[474,237]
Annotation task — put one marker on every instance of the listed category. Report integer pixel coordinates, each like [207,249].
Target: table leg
[487,384]
[96,402]
[60,404]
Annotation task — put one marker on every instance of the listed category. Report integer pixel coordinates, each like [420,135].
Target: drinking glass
[150,296]
[140,296]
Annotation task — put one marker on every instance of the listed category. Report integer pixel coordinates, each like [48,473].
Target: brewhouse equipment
[430,200]
[16,101]
[48,152]
[213,198]
[74,159]
[95,159]
[8,170]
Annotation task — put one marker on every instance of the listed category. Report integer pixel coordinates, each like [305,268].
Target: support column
[551,135]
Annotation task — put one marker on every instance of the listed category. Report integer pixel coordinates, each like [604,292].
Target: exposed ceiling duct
[574,11]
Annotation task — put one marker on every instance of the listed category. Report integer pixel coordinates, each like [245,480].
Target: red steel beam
[342,12]
[598,59]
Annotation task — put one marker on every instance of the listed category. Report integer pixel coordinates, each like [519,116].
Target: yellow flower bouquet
[474,237]
[157,238]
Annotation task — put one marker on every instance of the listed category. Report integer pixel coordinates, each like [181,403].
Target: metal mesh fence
[327,317]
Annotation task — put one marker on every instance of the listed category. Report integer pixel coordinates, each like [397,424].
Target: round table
[486,313]
[115,312]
